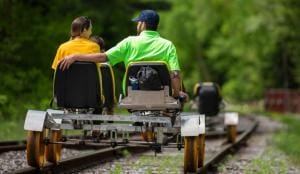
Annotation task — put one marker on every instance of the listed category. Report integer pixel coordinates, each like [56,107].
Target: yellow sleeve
[56,59]
[95,48]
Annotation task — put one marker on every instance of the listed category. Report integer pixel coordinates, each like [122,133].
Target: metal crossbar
[121,118]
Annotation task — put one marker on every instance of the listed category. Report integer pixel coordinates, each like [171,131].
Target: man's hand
[66,62]
[183,97]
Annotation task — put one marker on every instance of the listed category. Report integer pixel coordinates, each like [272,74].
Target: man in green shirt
[147,46]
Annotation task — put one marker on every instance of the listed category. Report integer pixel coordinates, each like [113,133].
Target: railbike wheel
[53,151]
[190,154]
[232,133]
[201,150]
[35,148]
[148,135]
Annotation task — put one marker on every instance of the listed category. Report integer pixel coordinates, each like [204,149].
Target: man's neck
[80,37]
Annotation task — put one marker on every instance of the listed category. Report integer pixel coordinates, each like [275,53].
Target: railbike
[82,92]
[208,101]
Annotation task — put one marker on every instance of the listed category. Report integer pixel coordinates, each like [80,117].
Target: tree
[239,44]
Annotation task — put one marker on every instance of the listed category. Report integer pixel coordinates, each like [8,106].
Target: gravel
[13,160]
[169,161]
[259,156]
[10,161]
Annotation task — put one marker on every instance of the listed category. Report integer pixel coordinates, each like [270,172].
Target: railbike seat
[147,100]
[160,66]
[108,85]
[78,87]
[208,98]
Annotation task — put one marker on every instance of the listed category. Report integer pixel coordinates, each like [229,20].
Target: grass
[245,108]
[126,153]
[222,167]
[160,164]
[12,130]
[271,162]
[288,140]
[148,163]
[117,169]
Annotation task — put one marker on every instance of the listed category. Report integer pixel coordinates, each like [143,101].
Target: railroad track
[6,146]
[210,164]
[80,162]
[15,145]
[87,160]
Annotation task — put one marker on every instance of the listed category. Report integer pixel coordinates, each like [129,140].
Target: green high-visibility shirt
[148,46]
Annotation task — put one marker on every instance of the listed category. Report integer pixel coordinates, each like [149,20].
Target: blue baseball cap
[148,16]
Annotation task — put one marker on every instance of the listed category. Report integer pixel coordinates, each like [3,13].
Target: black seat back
[209,99]
[108,84]
[160,67]
[78,87]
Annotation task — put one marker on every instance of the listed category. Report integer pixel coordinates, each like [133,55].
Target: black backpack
[148,79]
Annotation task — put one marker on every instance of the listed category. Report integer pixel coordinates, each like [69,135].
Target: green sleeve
[173,59]
[117,53]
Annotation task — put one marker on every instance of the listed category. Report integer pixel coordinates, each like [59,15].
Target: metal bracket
[231,118]
[51,122]
[35,120]
[192,125]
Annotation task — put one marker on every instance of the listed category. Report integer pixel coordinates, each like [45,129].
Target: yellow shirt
[76,46]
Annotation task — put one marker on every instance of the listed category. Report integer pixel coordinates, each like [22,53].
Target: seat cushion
[209,99]
[78,87]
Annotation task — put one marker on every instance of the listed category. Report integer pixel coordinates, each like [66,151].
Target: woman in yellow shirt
[81,30]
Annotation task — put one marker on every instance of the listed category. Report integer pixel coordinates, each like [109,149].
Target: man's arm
[176,83]
[95,57]
[177,88]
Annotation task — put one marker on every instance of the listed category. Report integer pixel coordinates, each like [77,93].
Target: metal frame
[58,120]
[141,100]
[66,122]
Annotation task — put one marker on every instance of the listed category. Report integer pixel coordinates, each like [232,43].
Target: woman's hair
[78,25]
[99,40]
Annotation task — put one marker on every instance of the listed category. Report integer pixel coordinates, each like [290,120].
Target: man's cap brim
[136,19]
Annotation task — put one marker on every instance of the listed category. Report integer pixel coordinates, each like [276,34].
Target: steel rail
[86,160]
[83,161]
[228,149]
[15,145]
[6,146]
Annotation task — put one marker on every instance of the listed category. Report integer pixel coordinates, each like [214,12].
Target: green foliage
[246,46]
[30,33]
[12,130]
[20,91]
